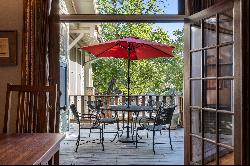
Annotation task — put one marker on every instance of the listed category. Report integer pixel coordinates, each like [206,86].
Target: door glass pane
[215,37]
[196,64]
[226,129]
[196,122]
[209,125]
[196,151]
[226,26]
[226,61]
[196,92]
[210,69]
[196,36]
[209,28]
[209,153]
[226,156]
[225,95]
[209,93]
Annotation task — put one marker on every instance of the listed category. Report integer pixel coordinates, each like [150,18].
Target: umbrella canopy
[130,48]
[139,49]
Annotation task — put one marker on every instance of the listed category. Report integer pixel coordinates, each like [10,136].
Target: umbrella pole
[128,88]
[128,73]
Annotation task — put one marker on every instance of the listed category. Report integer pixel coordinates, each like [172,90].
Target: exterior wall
[80,71]
[76,73]
[72,71]
[11,16]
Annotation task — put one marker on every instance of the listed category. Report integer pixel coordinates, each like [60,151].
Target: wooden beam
[79,31]
[122,18]
[73,43]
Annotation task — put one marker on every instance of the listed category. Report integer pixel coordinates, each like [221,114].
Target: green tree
[159,75]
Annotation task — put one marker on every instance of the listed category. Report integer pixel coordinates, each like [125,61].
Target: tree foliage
[160,75]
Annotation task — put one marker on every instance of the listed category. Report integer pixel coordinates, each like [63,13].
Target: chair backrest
[164,115]
[94,106]
[91,106]
[35,108]
[75,112]
[92,118]
[151,102]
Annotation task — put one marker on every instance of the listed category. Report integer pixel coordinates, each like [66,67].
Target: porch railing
[81,102]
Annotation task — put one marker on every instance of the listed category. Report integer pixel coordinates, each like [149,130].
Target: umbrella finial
[117,35]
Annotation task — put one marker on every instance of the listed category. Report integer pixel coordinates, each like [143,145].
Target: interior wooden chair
[32,108]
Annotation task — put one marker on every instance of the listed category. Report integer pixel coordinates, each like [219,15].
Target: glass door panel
[226,61]
[196,36]
[196,93]
[196,149]
[226,129]
[209,31]
[209,93]
[209,125]
[210,63]
[210,153]
[211,82]
[225,95]
[226,26]
[196,62]
[196,122]
[226,156]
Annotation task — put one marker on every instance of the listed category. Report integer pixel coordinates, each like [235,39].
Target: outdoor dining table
[133,109]
[30,148]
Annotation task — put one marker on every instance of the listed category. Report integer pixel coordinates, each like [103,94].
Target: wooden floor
[117,153]
[227,159]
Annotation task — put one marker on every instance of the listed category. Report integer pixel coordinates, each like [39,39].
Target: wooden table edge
[52,150]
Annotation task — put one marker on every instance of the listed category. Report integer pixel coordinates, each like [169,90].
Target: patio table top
[131,108]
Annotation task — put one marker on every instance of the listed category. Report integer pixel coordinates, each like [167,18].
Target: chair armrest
[88,116]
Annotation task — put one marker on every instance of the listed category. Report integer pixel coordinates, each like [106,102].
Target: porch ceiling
[81,6]
[87,29]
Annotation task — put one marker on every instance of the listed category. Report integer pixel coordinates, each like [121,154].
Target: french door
[212,86]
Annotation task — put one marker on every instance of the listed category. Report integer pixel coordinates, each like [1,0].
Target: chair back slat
[26,112]
[90,117]
[53,116]
[18,110]
[75,113]
[35,111]
[108,113]
[123,100]
[21,124]
[164,115]
[38,115]
[30,114]
[116,100]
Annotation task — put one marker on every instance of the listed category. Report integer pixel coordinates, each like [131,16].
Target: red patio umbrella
[130,48]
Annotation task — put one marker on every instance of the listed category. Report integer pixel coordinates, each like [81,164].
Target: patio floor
[117,153]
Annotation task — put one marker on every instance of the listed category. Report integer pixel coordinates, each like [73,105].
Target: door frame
[237,102]
[243,6]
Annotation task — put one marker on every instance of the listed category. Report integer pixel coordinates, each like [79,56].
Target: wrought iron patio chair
[160,121]
[101,111]
[136,119]
[87,121]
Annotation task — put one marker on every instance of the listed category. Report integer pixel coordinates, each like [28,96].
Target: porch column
[88,80]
